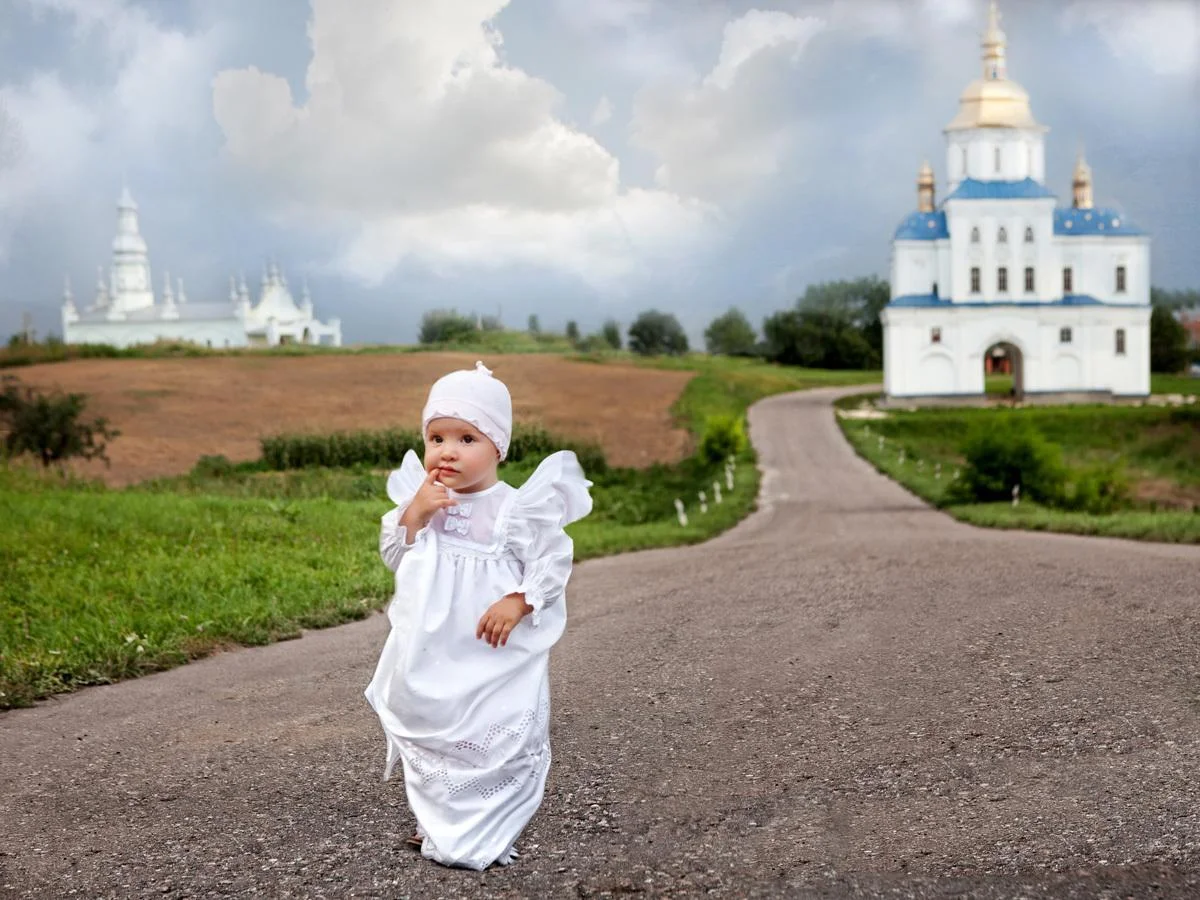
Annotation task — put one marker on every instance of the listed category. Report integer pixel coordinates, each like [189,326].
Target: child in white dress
[462,687]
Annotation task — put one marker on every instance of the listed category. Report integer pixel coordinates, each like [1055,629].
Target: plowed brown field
[173,411]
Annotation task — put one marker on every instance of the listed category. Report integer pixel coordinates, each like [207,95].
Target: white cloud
[418,141]
[603,111]
[721,135]
[1163,35]
[756,31]
[147,88]
[48,134]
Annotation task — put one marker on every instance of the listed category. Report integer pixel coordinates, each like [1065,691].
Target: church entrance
[1004,371]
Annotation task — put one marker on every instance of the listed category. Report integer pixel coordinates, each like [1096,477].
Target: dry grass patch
[173,411]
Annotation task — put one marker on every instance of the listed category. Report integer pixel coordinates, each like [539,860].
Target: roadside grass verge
[104,584]
[1157,448]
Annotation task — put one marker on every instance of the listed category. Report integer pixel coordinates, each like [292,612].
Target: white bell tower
[130,287]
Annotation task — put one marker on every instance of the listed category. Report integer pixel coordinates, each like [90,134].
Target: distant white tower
[130,287]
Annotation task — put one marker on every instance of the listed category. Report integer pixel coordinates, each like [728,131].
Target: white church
[1000,277]
[125,311]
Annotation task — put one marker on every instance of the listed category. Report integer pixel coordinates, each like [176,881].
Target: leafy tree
[535,327]
[1182,299]
[490,323]
[445,326]
[1168,342]
[573,332]
[835,325]
[612,334]
[48,426]
[817,339]
[655,332]
[730,334]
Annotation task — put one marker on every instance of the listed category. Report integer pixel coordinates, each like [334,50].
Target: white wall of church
[950,362]
[974,153]
[216,333]
[1094,261]
[1001,226]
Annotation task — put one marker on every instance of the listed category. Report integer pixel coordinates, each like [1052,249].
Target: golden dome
[993,101]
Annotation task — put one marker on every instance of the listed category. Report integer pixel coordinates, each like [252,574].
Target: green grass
[108,584]
[1174,384]
[1153,444]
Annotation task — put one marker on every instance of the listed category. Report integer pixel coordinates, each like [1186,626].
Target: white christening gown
[469,721]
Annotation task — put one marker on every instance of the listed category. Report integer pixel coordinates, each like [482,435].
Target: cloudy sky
[571,159]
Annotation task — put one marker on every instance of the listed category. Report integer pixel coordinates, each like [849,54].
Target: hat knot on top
[474,396]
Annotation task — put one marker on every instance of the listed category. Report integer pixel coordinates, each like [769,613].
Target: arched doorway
[1004,371]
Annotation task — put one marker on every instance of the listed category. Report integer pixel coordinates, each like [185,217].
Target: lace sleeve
[402,486]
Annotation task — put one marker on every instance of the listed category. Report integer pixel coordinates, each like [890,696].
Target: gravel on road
[848,695]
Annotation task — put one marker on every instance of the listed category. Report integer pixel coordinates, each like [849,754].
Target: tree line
[833,325]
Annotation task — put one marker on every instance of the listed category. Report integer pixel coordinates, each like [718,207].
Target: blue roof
[931,300]
[923,226]
[1090,222]
[974,189]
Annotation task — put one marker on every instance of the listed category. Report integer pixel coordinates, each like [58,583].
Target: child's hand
[501,618]
[430,497]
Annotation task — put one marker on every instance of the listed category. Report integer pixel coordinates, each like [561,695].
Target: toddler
[462,688]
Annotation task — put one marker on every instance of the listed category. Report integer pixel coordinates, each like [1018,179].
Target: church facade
[999,277]
[126,312]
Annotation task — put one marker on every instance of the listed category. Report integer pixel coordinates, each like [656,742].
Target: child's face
[466,460]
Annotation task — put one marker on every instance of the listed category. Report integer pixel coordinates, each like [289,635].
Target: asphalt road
[849,695]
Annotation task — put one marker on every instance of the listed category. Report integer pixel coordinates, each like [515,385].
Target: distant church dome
[993,101]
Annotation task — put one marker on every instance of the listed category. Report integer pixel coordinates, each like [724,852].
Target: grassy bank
[107,584]
[1155,447]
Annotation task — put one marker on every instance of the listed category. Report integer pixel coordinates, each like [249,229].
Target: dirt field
[173,411]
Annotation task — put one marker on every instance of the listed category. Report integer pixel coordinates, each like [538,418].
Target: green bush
[1098,490]
[724,436]
[342,450]
[217,466]
[49,426]
[1006,452]
[446,326]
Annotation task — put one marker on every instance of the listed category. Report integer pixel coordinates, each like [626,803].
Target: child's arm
[403,525]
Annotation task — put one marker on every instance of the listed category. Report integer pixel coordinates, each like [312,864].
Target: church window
[1002,236]
[1028,235]
[1068,280]
[1120,279]
[1120,342]
[1029,278]
[1002,279]
[975,235]
[974,279]
[1064,335]
[935,335]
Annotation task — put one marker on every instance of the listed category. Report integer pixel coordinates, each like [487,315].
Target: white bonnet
[473,396]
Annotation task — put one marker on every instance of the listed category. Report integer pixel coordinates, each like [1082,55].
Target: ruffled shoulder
[403,483]
[555,495]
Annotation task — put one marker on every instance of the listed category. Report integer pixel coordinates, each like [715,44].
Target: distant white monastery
[1000,277]
[125,311]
